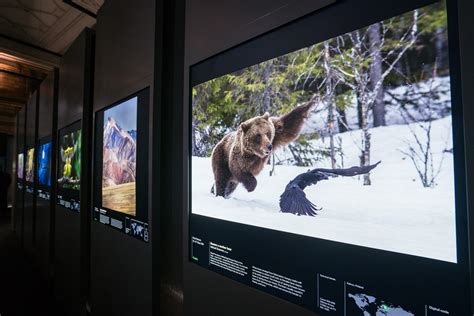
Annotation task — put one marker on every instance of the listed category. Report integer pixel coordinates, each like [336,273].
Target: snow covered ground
[396,213]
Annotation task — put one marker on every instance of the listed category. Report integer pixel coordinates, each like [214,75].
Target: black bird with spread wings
[294,200]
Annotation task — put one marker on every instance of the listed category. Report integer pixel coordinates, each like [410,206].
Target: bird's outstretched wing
[348,172]
[294,200]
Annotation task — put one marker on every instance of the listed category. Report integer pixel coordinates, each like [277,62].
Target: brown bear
[241,155]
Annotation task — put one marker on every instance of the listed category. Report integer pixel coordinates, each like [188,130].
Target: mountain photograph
[119,158]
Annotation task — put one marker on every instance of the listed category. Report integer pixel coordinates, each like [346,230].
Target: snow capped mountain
[119,154]
[133,133]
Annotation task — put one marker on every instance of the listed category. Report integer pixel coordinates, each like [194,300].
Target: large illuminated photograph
[19,169]
[44,164]
[348,140]
[29,170]
[120,157]
[69,162]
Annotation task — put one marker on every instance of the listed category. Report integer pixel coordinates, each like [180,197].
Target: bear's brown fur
[241,155]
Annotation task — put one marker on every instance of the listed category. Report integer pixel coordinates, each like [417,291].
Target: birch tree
[361,71]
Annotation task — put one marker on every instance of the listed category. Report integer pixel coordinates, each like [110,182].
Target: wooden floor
[120,198]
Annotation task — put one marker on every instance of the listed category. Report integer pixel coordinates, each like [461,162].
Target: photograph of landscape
[69,169]
[119,158]
[19,169]
[44,164]
[374,129]
[29,165]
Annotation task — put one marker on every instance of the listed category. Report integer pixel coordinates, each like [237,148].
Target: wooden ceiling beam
[13,99]
[10,115]
[7,120]
[7,129]
[11,104]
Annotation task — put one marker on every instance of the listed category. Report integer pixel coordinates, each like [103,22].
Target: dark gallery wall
[75,80]
[233,23]
[29,206]
[10,157]
[17,217]
[466,26]
[121,266]
[47,117]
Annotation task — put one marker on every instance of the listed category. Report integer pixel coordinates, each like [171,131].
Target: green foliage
[77,159]
[433,17]
[344,99]
[304,154]
[221,104]
[278,85]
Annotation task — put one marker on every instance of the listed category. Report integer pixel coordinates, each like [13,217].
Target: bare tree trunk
[366,155]
[266,91]
[272,171]
[342,122]
[330,104]
[376,74]
[193,138]
[360,114]
[441,56]
[194,151]
[331,133]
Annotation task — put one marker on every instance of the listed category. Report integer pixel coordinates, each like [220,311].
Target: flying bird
[294,200]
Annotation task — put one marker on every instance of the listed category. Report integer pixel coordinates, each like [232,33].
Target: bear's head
[256,135]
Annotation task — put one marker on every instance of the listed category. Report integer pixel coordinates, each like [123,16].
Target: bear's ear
[245,126]
[278,125]
[266,116]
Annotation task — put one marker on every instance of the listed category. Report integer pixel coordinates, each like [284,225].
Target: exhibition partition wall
[70,240]
[19,176]
[167,138]
[30,169]
[45,171]
[121,234]
[370,108]
[466,51]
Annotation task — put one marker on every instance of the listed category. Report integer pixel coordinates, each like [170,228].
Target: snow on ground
[396,213]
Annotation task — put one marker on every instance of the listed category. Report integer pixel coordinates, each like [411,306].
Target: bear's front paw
[250,184]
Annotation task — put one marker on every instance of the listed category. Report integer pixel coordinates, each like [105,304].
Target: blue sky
[125,114]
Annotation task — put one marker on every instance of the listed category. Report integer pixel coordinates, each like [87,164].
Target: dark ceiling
[33,36]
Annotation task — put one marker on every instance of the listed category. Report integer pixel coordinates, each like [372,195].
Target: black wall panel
[43,228]
[71,83]
[466,27]
[68,246]
[121,266]
[214,26]
[46,104]
[20,188]
[30,197]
